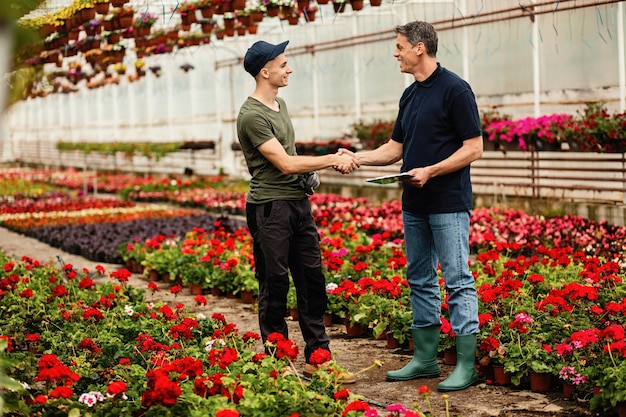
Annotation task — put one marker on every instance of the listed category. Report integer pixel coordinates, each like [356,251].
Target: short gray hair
[419,31]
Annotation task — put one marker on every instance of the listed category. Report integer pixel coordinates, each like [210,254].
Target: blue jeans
[444,239]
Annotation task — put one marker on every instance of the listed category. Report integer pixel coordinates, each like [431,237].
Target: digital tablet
[388,179]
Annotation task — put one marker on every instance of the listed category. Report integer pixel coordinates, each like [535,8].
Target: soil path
[354,353]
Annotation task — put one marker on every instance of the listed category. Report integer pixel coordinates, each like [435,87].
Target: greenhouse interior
[119,149]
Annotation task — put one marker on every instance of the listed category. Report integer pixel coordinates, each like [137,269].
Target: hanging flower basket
[229,23]
[244,20]
[272,11]
[126,21]
[293,19]
[207,27]
[88,13]
[102,8]
[339,7]
[356,5]
[256,16]
[207,12]
[239,4]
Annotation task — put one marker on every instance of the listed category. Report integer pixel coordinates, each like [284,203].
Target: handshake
[347,161]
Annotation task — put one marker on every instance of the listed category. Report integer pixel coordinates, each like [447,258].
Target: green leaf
[74,412]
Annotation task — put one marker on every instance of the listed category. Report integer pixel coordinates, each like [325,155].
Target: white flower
[209,344]
[331,287]
[129,310]
[91,398]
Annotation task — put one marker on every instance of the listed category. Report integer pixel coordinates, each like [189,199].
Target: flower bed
[101,350]
[551,290]
[591,130]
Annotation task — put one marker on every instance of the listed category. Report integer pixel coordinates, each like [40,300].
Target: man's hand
[420,177]
[347,162]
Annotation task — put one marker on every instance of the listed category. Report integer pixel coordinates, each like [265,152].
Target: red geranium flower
[40,399]
[59,291]
[122,275]
[227,412]
[319,356]
[89,345]
[116,388]
[92,313]
[9,342]
[222,357]
[86,283]
[287,348]
[61,392]
[33,337]
[27,293]
[357,405]
[200,300]
[342,394]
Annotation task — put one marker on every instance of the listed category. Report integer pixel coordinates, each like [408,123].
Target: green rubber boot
[464,374]
[424,362]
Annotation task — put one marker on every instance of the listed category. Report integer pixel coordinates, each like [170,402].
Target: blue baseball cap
[259,54]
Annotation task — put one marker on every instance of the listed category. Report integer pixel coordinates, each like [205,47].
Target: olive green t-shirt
[256,124]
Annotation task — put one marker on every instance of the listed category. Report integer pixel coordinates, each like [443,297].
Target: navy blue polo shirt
[434,119]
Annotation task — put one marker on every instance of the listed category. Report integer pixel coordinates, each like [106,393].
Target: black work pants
[286,240]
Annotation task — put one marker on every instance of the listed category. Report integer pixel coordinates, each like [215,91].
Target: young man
[437,135]
[278,210]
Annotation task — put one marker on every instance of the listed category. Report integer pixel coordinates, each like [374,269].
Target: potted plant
[571,380]
[339,6]
[246,283]
[613,387]
[292,301]
[447,342]
[162,261]
[373,134]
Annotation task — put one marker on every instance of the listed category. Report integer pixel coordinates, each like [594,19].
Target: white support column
[6,40]
[62,109]
[132,106]
[99,115]
[466,48]
[536,74]
[621,60]
[86,122]
[71,119]
[219,114]
[356,66]
[408,78]
[193,87]
[114,91]
[169,73]
[149,103]
[315,82]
